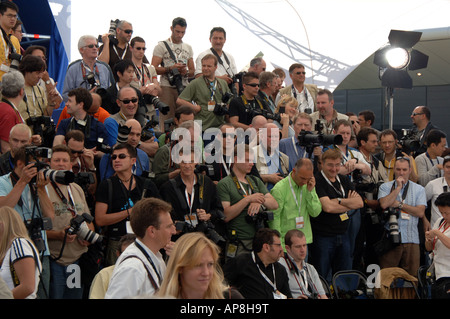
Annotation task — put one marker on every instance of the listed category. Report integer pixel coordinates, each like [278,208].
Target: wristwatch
[339,201]
[93,169]
[48,82]
[400,206]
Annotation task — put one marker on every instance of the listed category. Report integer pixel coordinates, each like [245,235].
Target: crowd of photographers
[263,156]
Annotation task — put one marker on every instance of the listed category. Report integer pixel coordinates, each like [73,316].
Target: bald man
[142,166]
[271,164]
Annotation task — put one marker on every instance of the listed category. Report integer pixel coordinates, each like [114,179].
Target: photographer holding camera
[245,107]
[173,60]
[245,200]
[87,72]
[206,95]
[65,248]
[193,196]
[117,195]
[24,190]
[10,46]
[408,200]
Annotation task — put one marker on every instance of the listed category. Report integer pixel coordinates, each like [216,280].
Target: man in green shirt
[297,200]
[243,197]
[203,93]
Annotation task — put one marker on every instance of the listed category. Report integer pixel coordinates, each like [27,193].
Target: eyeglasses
[77,152]
[121,156]
[128,31]
[253,84]
[414,114]
[298,73]
[126,101]
[11,16]
[141,48]
[90,46]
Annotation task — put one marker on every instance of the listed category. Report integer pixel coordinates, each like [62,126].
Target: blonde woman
[193,271]
[287,108]
[19,258]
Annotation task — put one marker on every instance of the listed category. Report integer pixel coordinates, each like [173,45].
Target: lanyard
[297,202]
[190,200]
[264,275]
[240,187]
[64,199]
[123,54]
[342,191]
[432,164]
[244,99]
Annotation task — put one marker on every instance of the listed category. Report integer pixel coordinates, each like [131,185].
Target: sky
[329,37]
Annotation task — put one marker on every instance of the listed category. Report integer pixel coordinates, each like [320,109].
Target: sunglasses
[121,156]
[253,84]
[128,31]
[90,46]
[126,101]
[141,48]
[403,158]
[77,152]
[414,114]
[298,73]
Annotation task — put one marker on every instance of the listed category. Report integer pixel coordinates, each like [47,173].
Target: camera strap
[240,187]
[142,249]
[86,129]
[140,73]
[169,49]
[221,62]
[246,103]
[84,67]
[7,43]
[14,178]
[64,199]
[307,286]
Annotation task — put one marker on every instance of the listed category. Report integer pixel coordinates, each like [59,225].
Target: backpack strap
[150,277]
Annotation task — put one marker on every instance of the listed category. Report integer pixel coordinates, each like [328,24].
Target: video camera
[161,106]
[408,143]
[79,227]
[221,108]
[112,32]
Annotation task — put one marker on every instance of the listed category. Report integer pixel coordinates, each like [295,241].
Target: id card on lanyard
[276,293]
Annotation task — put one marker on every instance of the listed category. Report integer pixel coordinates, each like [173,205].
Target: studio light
[398,57]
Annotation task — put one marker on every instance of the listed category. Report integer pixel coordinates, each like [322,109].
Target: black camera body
[222,108]
[261,219]
[35,227]
[112,33]
[161,106]
[15,58]
[176,79]
[102,147]
[408,143]
[205,227]
[84,178]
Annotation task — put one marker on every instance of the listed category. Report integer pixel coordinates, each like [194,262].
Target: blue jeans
[58,283]
[353,228]
[330,254]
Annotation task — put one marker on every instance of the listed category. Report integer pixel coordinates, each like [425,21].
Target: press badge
[129,229]
[343,217]
[211,105]
[404,215]
[299,222]
[191,219]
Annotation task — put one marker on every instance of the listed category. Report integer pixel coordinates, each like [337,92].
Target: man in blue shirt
[408,200]
[87,72]
[78,103]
